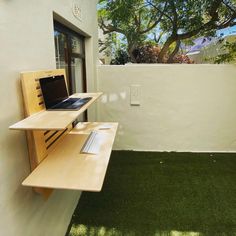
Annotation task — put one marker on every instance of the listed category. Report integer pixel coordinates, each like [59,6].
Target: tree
[175,21]
[149,54]
[132,18]
[121,57]
[229,55]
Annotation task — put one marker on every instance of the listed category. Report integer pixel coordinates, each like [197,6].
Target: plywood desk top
[66,168]
[54,120]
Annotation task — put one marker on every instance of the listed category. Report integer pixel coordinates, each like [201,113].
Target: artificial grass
[147,194]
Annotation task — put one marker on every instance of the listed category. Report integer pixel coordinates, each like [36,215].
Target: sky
[227,31]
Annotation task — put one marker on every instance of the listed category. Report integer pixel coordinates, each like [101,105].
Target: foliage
[182,59]
[229,55]
[150,53]
[147,54]
[171,21]
[131,18]
[121,57]
[107,45]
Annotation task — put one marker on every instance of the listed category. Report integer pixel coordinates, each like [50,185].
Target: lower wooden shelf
[66,168]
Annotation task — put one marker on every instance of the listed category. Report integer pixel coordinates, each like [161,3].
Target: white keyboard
[92,144]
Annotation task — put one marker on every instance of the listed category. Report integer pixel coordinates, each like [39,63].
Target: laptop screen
[53,90]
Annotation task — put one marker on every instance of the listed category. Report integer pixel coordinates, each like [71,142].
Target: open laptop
[56,96]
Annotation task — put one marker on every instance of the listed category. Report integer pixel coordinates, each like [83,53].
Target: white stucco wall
[183,107]
[27,43]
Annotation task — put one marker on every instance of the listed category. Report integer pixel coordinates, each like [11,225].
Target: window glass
[61,52]
[76,45]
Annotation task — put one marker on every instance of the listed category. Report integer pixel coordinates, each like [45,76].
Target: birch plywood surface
[54,120]
[66,168]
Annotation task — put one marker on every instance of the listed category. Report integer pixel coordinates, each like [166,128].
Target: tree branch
[229,7]
[175,51]
[162,11]
[211,24]
[157,21]
[228,23]
[157,40]
[109,28]
[213,10]
[175,18]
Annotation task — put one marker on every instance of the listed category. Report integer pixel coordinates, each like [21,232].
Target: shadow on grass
[162,194]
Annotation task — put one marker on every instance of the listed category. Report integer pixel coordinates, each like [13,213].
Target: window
[70,55]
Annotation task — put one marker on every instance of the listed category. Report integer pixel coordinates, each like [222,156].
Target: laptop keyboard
[80,102]
[72,100]
[72,103]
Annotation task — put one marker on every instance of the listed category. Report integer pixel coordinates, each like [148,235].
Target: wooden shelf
[54,120]
[66,168]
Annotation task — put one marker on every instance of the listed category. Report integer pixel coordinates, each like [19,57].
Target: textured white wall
[27,43]
[183,107]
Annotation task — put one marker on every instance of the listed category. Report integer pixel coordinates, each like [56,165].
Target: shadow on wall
[113,97]
[117,105]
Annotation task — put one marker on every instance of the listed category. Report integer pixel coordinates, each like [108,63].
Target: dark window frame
[69,55]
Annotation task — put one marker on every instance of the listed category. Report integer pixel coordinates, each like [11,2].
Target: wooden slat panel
[41,104]
[33,103]
[48,133]
[56,141]
[37,85]
[54,137]
[40,101]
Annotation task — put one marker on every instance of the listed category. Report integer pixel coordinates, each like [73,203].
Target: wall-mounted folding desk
[55,145]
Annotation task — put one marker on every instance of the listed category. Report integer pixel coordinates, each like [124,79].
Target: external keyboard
[92,144]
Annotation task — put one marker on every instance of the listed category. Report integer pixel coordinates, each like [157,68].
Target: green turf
[161,194]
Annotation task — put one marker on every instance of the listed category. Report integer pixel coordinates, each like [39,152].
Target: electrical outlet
[135,94]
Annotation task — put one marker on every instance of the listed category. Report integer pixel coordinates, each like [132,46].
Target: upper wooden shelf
[66,168]
[54,120]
